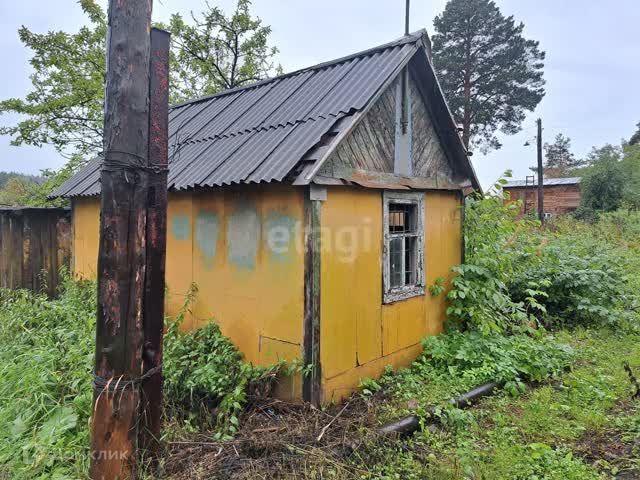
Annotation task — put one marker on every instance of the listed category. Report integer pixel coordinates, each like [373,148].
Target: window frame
[395,294]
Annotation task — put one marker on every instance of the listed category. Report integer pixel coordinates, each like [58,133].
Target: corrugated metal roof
[260,132]
[547,182]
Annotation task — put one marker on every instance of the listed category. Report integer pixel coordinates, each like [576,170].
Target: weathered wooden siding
[243,248]
[428,157]
[371,145]
[34,244]
[359,334]
[558,199]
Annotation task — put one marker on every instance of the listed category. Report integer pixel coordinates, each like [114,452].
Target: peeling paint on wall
[207,229]
[279,236]
[181,227]
[243,236]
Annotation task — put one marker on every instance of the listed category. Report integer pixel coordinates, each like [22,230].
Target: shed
[35,243]
[561,195]
[313,210]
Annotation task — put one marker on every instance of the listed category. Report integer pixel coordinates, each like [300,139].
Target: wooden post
[540,174]
[121,257]
[312,382]
[156,240]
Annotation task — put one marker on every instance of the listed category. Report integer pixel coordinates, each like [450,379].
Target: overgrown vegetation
[46,360]
[552,314]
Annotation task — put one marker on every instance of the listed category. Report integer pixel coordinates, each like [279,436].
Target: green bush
[204,373]
[579,290]
[513,359]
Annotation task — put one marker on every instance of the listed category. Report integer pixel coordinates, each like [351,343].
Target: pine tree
[490,74]
[559,160]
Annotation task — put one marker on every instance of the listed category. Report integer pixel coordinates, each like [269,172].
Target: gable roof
[261,132]
[547,182]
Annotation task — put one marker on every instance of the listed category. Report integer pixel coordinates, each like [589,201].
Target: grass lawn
[582,425]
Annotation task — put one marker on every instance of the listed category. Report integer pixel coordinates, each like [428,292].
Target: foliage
[635,138]
[65,106]
[6,176]
[16,188]
[490,74]
[630,166]
[217,52]
[204,371]
[46,359]
[603,183]
[559,160]
[479,358]
[495,244]
[46,355]
[578,289]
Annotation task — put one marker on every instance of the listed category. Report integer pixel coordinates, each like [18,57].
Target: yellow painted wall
[359,334]
[86,232]
[242,247]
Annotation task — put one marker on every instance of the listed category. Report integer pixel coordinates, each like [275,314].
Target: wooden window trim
[391,295]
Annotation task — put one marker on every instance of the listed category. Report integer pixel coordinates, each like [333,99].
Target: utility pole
[156,240]
[540,174]
[122,258]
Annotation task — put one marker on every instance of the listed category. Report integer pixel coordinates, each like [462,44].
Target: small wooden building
[313,210]
[561,195]
[34,244]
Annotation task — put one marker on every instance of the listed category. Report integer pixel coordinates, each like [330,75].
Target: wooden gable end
[371,146]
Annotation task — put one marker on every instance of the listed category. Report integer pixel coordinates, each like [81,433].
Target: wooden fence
[34,244]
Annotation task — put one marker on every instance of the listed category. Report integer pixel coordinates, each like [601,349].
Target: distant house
[561,195]
[313,210]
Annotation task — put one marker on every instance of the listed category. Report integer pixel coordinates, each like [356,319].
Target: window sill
[399,294]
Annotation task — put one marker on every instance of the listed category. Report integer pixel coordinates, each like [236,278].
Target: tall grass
[46,355]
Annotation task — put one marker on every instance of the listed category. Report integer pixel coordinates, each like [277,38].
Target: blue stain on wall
[243,236]
[181,227]
[279,236]
[207,230]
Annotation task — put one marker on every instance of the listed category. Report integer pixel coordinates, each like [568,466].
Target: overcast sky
[592,67]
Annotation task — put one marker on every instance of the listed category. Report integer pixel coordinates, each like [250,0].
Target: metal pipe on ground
[410,424]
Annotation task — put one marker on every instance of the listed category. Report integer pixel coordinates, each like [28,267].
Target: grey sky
[591,70]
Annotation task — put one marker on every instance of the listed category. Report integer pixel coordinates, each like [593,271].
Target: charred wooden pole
[121,258]
[156,240]
[540,174]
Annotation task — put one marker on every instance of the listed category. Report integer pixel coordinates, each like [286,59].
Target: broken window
[404,241]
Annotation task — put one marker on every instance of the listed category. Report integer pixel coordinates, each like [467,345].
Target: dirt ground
[281,440]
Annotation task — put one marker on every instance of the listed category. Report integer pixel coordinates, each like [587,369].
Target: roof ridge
[413,37]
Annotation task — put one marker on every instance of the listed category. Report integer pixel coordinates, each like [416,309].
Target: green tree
[490,74]
[216,52]
[603,183]
[630,167]
[65,105]
[635,138]
[559,160]
[14,191]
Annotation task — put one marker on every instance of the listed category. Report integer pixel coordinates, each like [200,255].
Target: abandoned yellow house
[313,211]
